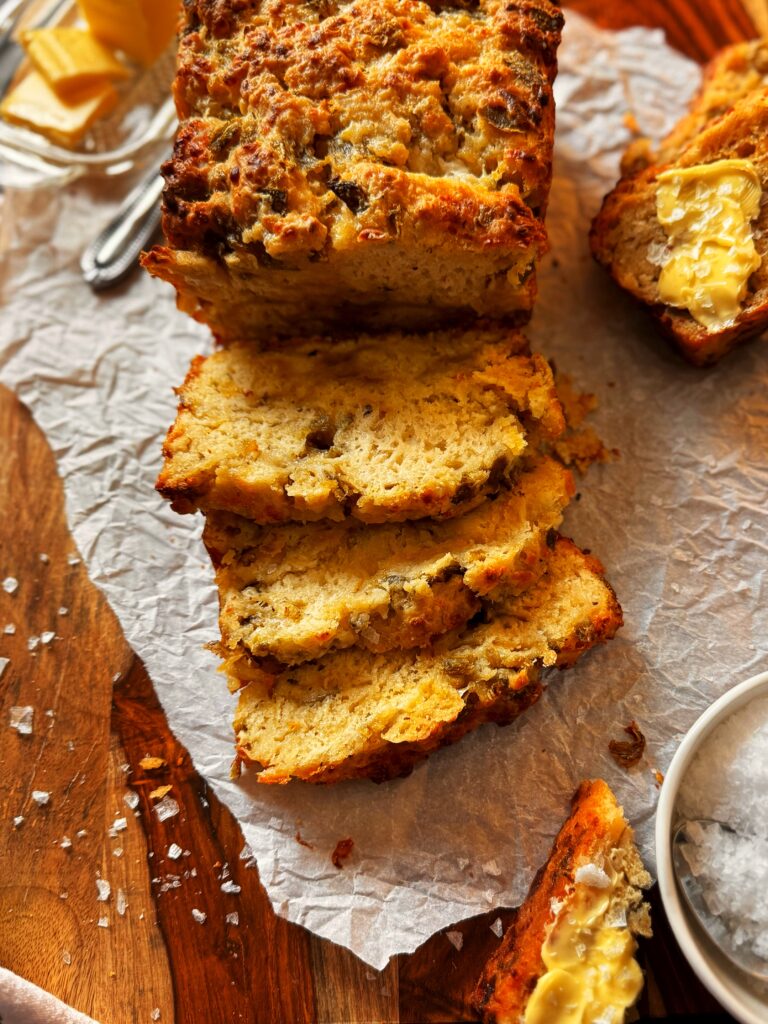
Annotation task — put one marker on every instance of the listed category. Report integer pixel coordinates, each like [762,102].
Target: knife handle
[114,252]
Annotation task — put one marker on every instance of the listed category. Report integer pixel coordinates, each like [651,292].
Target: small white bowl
[716,972]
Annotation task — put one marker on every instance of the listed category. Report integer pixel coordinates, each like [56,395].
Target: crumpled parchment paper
[679,522]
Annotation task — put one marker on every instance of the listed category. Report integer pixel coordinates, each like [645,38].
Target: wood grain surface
[97,717]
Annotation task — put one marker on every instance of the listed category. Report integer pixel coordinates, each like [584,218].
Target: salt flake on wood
[199,916]
[21,718]
[10,584]
[167,808]
[456,939]
[104,889]
[41,797]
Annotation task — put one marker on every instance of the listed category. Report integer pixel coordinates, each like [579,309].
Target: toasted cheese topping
[591,972]
[706,212]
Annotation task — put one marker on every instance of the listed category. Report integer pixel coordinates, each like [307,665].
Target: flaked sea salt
[66,957]
[103,888]
[10,584]
[591,874]
[131,800]
[63,610]
[726,786]
[47,636]
[231,888]
[120,824]
[44,558]
[117,852]
[155,1015]
[121,903]
[248,856]
[4,663]
[73,560]
[174,851]
[456,939]
[41,797]
[18,821]
[233,918]
[21,719]
[10,629]
[497,928]
[33,642]
[103,922]
[66,843]
[199,916]
[166,808]
[81,834]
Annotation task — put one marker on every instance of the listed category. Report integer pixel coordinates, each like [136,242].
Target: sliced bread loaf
[383,429]
[725,246]
[568,955]
[354,714]
[291,593]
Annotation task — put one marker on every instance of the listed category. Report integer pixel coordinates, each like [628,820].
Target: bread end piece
[627,239]
[595,833]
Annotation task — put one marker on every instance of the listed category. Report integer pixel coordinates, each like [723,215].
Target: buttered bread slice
[568,957]
[383,429]
[293,592]
[687,232]
[355,714]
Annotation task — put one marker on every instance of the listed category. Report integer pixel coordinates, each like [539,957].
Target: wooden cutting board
[97,717]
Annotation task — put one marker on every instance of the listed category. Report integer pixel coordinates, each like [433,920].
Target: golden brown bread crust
[361,150]
[595,826]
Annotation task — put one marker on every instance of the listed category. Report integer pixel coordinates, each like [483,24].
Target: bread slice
[358,165]
[582,912]
[359,715]
[630,242]
[383,429]
[292,593]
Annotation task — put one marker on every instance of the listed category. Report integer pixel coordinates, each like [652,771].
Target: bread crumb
[152,764]
[456,939]
[627,753]
[160,792]
[341,851]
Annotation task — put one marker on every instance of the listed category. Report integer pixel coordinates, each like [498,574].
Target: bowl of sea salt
[718,779]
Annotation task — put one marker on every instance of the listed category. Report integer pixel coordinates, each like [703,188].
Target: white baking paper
[679,522]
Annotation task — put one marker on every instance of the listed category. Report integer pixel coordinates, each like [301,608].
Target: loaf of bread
[569,954]
[358,165]
[354,714]
[292,593]
[713,246]
[383,429]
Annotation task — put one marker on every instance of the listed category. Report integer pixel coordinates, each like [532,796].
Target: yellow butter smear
[591,972]
[706,212]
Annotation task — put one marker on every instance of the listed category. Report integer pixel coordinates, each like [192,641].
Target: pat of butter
[591,971]
[34,104]
[140,28]
[70,59]
[706,212]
